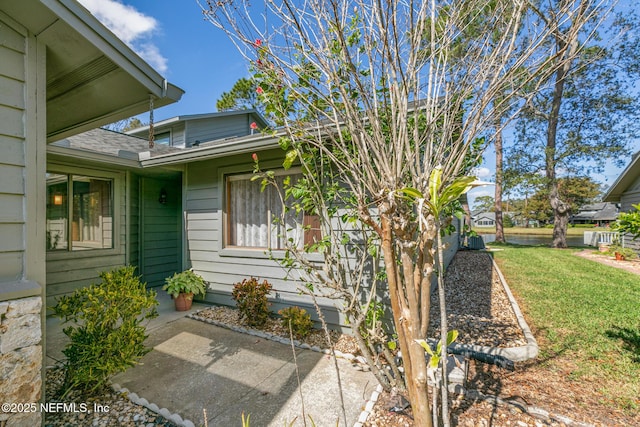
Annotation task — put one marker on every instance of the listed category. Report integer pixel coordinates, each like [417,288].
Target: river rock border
[164,412]
[368,407]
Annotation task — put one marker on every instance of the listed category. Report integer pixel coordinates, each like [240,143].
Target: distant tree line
[576,191]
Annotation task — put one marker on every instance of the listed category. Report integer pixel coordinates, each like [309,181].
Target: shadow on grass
[630,340]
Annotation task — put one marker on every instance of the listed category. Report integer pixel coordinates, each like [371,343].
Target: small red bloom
[259,90]
[258,42]
[254,156]
[259,63]
[253,125]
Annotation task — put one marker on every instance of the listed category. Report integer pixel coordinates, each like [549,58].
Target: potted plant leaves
[183,286]
[622,253]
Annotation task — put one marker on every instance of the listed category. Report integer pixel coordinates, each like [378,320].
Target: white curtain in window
[255,216]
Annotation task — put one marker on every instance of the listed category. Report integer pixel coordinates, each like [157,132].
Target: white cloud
[131,26]
[152,54]
[482,172]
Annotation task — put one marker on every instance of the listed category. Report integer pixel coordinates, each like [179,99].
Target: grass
[585,312]
[538,231]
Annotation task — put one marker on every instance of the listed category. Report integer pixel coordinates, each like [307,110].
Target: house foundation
[20,362]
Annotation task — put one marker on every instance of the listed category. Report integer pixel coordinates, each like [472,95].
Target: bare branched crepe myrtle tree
[381,103]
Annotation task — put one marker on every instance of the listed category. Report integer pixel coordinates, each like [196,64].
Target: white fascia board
[81,20]
[92,156]
[212,152]
[624,180]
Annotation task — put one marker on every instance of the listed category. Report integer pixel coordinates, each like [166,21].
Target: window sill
[86,253]
[260,253]
[19,289]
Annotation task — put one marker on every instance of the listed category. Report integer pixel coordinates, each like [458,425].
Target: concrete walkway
[196,366]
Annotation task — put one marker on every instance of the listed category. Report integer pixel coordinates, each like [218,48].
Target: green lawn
[584,312]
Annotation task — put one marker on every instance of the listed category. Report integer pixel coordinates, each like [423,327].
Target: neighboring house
[488,219]
[191,130]
[598,214]
[224,219]
[484,219]
[625,192]
[61,73]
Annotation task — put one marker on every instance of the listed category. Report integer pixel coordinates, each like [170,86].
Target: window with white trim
[254,216]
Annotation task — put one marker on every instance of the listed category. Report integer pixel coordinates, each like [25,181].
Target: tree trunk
[560,209]
[444,332]
[498,189]
[466,220]
[559,217]
[561,212]
[407,328]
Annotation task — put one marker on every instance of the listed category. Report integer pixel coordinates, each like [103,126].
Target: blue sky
[178,42]
[190,52]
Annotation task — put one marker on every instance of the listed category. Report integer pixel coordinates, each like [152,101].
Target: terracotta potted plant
[183,286]
[623,254]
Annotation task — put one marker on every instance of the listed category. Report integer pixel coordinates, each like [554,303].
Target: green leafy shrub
[300,320]
[185,282]
[629,222]
[251,299]
[627,253]
[507,221]
[108,336]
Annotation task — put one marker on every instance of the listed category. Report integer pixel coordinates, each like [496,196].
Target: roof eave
[89,66]
[212,152]
[90,156]
[626,178]
[189,117]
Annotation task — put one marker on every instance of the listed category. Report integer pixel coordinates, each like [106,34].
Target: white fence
[595,238]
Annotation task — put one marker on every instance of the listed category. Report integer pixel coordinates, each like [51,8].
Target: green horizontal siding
[160,230]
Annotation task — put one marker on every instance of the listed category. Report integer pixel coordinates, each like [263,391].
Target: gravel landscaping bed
[118,409]
[230,317]
[477,305]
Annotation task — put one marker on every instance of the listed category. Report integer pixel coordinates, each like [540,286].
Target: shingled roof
[597,212]
[112,143]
